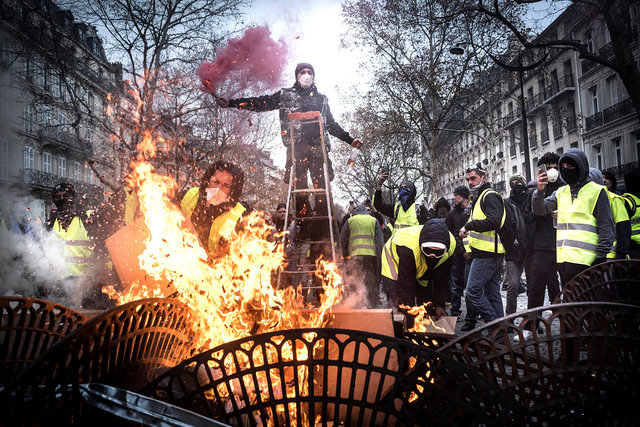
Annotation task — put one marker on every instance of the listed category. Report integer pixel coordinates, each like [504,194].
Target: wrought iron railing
[616,111]
[564,83]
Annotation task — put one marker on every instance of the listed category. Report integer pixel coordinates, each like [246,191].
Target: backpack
[513,235]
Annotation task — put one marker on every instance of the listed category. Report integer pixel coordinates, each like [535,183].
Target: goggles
[433,249]
[475,168]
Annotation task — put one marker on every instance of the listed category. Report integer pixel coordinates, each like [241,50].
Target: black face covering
[518,192]
[570,176]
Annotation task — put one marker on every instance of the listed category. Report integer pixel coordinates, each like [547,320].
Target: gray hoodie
[602,210]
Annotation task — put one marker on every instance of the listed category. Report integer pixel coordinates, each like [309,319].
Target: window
[560,151]
[29,154]
[28,69]
[574,144]
[572,122]
[597,150]
[46,115]
[544,129]
[593,93]
[46,162]
[28,117]
[638,146]
[4,159]
[514,169]
[77,171]
[612,88]
[617,147]
[591,47]
[62,167]
[54,83]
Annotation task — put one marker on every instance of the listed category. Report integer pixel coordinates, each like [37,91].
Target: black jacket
[456,219]
[493,207]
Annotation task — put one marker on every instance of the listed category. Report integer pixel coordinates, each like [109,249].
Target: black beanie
[462,191]
[302,65]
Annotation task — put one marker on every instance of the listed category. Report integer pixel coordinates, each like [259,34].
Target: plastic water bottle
[354,155]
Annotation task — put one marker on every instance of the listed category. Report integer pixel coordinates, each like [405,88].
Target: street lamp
[457,50]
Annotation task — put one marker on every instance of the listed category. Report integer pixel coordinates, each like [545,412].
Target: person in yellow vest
[403,212]
[585,229]
[632,200]
[69,223]
[620,248]
[214,207]
[487,253]
[416,266]
[362,241]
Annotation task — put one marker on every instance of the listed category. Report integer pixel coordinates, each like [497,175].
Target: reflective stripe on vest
[362,232]
[222,226]
[78,251]
[619,214]
[410,238]
[487,241]
[634,202]
[404,218]
[576,234]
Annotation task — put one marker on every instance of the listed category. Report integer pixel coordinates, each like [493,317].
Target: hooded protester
[362,241]
[416,266]
[585,230]
[215,207]
[610,181]
[620,216]
[403,212]
[441,208]
[302,97]
[632,199]
[456,219]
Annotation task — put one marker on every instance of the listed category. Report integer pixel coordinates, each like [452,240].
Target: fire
[231,295]
[422,319]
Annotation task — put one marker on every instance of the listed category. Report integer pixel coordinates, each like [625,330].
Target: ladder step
[310,190]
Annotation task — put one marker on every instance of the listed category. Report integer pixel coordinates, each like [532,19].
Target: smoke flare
[255,57]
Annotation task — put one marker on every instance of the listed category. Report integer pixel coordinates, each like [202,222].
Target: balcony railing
[609,114]
[535,102]
[621,170]
[500,186]
[48,180]
[557,87]
[59,134]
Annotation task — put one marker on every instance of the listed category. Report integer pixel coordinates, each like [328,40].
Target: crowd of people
[547,231]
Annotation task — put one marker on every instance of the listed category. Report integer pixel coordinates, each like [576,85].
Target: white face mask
[306,80]
[552,175]
[215,196]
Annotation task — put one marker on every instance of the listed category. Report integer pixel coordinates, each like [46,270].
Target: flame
[422,321]
[231,295]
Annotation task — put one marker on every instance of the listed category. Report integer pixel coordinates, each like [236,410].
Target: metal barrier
[613,281]
[324,376]
[125,347]
[28,327]
[579,363]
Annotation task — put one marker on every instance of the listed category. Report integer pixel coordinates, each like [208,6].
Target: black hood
[435,230]
[442,202]
[580,159]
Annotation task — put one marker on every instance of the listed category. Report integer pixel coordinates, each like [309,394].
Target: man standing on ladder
[302,97]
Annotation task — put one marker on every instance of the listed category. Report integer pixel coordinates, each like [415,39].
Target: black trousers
[309,158]
[544,277]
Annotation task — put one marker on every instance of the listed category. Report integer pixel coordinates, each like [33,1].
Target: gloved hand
[598,261]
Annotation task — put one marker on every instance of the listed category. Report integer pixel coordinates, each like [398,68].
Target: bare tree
[417,81]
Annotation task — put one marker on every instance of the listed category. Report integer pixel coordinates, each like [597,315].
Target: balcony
[616,111]
[556,88]
[511,120]
[535,102]
[39,178]
[587,66]
[500,186]
[60,135]
[621,170]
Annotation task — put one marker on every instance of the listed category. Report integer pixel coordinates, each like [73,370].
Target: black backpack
[513,233]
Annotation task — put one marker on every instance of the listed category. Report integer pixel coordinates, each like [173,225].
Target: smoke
[254,59]
[31,257]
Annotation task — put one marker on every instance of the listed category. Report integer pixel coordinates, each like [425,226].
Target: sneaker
[526,335]
[468,326]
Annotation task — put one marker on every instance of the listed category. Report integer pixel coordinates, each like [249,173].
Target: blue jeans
[483,288]
[458,283]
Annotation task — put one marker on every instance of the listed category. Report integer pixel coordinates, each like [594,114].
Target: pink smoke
[255,57]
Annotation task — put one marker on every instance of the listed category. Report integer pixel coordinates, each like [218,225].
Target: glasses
[432,252]
[473,168]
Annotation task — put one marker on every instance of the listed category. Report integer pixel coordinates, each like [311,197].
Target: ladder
[296,266]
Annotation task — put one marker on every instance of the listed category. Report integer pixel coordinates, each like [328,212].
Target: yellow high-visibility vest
[78,251]
[487,241]
[634,202]
[362,232]
[577,232]
[619,213]
[404,218]
[222,226]
[410,238]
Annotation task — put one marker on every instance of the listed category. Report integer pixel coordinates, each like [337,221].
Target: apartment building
[57,81]
[568,102]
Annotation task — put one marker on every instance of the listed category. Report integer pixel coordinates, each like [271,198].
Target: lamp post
[520,69]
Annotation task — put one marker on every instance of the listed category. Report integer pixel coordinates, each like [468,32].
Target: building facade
[568,102]
[57,125]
